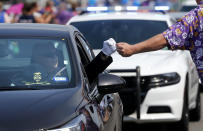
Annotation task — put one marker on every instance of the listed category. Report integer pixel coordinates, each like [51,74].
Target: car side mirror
[110,84]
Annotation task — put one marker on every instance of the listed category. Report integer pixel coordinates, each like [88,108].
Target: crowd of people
[60,11]
[32,13]
[131,2]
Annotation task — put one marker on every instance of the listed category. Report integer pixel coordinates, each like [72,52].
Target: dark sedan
[45,82]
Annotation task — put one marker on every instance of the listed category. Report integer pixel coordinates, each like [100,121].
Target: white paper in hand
[109,46]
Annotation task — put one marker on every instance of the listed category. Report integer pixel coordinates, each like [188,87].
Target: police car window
[35,63]
[131,31]
[187,8]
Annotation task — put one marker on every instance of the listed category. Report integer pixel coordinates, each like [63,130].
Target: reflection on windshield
[34,62]
[131,31]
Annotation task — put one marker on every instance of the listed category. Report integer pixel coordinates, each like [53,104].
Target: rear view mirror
[110,84]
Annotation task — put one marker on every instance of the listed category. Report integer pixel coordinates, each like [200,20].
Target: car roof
[120,15]
[41,30]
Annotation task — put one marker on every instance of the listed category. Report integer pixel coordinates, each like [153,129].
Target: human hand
[109,46]
[124,49]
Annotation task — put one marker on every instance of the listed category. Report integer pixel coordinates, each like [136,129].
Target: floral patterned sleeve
[180,35]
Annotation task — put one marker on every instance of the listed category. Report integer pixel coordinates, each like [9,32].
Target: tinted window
[86,47]
[130,31]
[37,63]
[187,8]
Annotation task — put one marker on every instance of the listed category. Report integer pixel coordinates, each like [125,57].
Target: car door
[103,112]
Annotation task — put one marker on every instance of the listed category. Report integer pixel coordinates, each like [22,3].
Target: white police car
[169,79]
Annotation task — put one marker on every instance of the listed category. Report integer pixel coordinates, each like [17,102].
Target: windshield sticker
[37,76]
[60,79]
[12,84]
[65,62]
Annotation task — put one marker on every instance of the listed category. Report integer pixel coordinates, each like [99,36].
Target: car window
[35,63]
[131,31]
[85,60]
[83,56]
[86,47]
[187,8]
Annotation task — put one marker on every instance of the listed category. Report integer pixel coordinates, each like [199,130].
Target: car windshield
[34,63]
[131,31]
[187,8]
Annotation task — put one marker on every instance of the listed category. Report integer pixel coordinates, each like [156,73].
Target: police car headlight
[77,124]
[160,80]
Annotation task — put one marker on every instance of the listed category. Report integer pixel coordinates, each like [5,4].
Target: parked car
[169,79]
[44,84]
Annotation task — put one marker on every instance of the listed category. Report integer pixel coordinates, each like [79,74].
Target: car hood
[37,109]
[151,63]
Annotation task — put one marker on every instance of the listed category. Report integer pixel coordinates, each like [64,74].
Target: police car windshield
[130,31]
[35,63]
[187,8]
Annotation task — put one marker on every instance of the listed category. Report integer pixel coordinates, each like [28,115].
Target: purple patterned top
[187,33]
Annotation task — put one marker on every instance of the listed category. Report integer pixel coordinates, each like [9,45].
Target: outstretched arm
[97,65]
[101,61]
[154,43]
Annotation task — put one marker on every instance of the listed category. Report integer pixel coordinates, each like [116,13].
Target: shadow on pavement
[144,127]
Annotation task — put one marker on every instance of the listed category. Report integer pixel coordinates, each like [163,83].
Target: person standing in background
[27,14]
[50,9]
[63,15]
[30,14]
[40,18]
[4,18]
